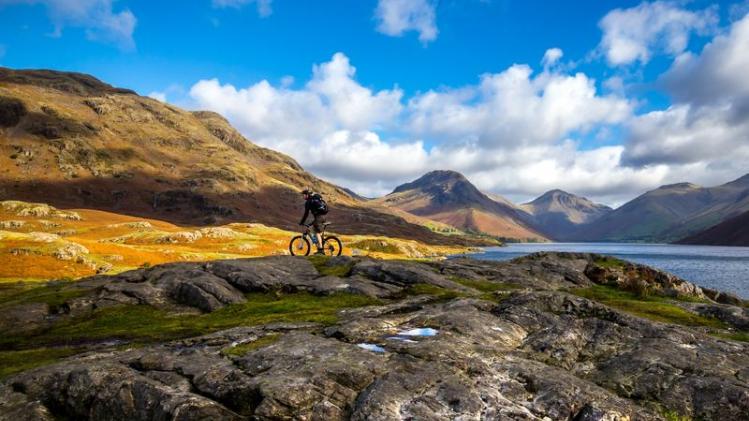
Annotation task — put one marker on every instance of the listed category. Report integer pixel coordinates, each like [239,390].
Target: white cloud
[708,126]
[264,8]
[490,131]
[159,96]
[515,132]
[635,34]
[718,74]
[395,17]
[98,19]
[551,57]
[513,109]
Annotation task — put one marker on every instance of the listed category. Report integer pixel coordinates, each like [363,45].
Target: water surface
[722,268]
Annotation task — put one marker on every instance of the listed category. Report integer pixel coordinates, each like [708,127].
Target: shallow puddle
[422,331]
[402,339]
[371,347]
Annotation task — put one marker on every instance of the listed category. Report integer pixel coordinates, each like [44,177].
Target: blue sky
[450,48]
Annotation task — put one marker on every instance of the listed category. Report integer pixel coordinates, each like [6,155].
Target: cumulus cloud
[507,133]
[264,8]
[159,96]
[551,57]
[97,17]
[635,34]
[513,108]
[709,123]
[718,74]
[394,17]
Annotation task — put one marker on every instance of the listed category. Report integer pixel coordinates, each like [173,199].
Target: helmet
[307,191]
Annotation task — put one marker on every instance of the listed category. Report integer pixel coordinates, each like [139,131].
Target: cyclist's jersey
[311,206]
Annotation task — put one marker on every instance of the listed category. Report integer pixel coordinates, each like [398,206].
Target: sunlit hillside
[40,242]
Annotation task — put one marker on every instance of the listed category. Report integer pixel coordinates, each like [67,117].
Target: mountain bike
[301,245]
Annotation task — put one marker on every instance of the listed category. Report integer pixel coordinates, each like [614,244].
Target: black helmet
[307,191]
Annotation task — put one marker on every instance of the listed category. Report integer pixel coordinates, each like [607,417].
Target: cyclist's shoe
[320,252]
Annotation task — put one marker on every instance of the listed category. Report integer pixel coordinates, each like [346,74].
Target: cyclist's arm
[306,213]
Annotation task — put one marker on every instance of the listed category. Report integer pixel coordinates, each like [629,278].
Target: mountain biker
[315,204]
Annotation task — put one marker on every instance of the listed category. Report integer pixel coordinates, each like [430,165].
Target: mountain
[72,141]
[731,232]
[669,213]
[448,197]
[559,213]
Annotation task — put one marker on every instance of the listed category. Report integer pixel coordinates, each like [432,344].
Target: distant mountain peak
[559,212]
[434,178]
[449,197]
[679,186]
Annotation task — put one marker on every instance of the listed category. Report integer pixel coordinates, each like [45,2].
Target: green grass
[144,324]
[239,350]
[670,415]
[610,262]
[12,362]
[321,264]
[734,336]
[378,246]
[651,307]
[53,293]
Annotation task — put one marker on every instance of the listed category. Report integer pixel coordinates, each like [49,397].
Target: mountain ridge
[670,213]
[72,141]
[559,213]
[449,197]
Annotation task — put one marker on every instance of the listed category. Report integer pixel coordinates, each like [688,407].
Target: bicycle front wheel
[299,246]
[332,246]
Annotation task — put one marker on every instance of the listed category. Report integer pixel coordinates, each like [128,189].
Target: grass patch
[484,285]
[651,307]
[610,262]
[239,350]
[377,246]
[670,415]
[53,294]
[12,362]
[734,336]
[321,264]
[145,324]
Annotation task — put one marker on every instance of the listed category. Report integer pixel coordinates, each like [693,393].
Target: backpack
[318,205]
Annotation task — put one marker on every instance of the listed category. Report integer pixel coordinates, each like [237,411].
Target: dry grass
[114,243]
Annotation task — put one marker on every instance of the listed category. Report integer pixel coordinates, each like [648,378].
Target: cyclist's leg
[317,229]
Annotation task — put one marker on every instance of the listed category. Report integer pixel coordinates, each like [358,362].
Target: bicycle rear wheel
[299,246]
[332,246]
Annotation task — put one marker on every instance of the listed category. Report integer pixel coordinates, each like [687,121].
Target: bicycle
[300,245]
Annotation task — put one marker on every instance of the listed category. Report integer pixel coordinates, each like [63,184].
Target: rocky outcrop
[533,352]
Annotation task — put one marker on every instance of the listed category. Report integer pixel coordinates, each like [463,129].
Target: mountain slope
[731,232]
[559,213]
[448,197]
[74,142]
[670,212]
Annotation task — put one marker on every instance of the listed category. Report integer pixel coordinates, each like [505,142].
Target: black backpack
[317,205]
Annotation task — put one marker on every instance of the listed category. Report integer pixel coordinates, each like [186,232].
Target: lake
[722,268]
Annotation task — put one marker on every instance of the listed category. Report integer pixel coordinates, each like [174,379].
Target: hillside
[71,141]
[39,242]
[559,213]
[669,213]
[731,232]
[448,197]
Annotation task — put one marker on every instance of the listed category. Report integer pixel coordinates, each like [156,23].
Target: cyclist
[315,204]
